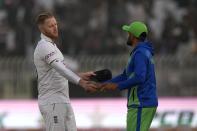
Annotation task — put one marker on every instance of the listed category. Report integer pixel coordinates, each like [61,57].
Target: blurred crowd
[94,26]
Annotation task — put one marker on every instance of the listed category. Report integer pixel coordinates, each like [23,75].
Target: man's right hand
[108,86]
[88,85]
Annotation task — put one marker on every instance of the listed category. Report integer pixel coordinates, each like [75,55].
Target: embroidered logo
[49,55]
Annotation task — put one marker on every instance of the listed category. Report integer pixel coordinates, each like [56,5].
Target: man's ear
[40,27]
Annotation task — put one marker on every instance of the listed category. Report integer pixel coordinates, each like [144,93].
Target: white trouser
[58,117]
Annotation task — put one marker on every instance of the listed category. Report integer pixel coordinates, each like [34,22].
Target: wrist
[81,82]
[78,81]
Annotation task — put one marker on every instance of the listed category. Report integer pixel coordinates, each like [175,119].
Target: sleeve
[64,71]
[140,69]
[118,78]
[48,53]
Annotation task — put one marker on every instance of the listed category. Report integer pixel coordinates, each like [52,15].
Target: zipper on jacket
[133,94]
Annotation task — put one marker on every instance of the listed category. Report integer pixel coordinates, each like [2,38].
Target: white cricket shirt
[52,87]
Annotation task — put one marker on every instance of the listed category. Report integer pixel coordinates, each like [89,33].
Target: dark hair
[42,17]
[142,37]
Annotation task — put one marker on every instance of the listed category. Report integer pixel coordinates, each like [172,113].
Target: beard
[129,43]
[53,36]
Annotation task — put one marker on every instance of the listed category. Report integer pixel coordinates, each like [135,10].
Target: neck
[47,38]
[135,42]
[53,40]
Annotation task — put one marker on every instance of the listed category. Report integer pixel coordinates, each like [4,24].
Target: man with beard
[138,78]
[53,77]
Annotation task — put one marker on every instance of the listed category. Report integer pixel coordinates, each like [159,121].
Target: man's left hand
[86,75]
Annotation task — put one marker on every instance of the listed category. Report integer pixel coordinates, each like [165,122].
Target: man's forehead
[50,20]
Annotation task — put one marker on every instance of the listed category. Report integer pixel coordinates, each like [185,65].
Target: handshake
[92,81]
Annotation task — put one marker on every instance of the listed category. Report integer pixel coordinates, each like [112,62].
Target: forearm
[117,79]
[65,72]
[136,80]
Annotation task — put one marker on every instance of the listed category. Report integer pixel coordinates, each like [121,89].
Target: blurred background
[91,39]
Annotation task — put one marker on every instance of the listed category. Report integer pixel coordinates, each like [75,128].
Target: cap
[136,28]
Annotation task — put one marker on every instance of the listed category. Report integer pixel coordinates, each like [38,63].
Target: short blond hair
[40,19]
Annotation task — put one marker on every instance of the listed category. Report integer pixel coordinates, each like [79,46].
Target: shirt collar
[46,38]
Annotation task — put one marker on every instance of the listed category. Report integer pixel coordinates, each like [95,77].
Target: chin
[55,36]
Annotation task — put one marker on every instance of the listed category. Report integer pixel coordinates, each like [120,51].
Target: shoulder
[43,48]
[44,45]
[144,52]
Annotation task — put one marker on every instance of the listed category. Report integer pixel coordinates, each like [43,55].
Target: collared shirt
[52,87]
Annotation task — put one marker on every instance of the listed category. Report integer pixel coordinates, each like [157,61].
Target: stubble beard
[52,36]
